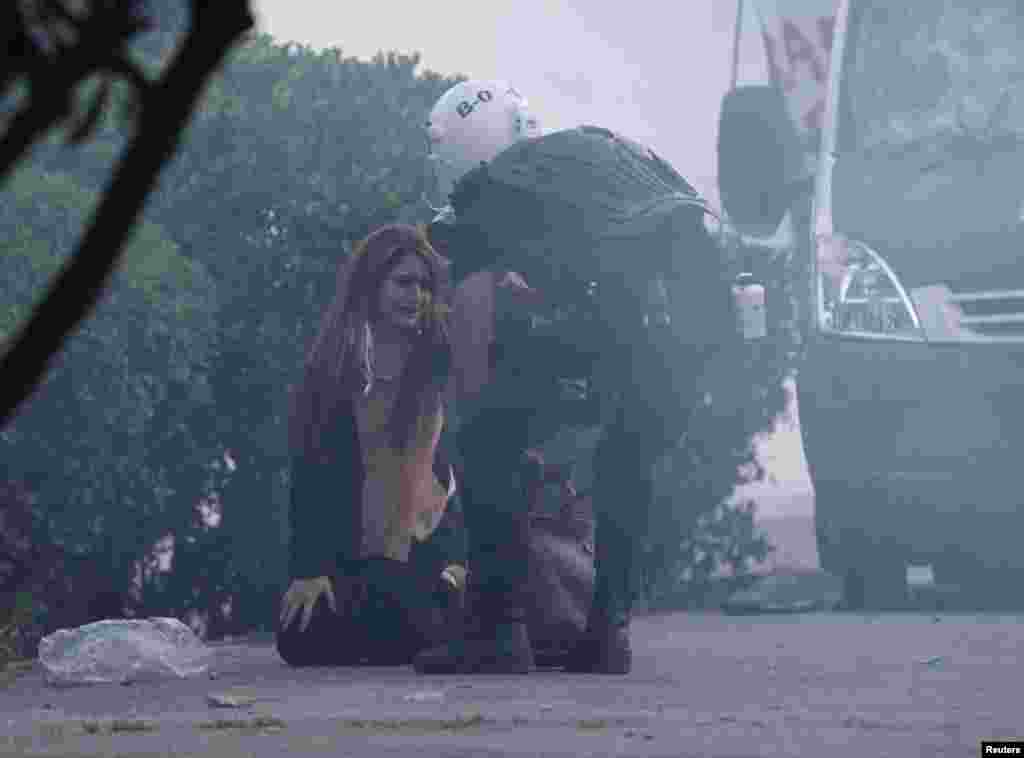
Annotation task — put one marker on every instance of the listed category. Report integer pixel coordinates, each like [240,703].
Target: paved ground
[704,685]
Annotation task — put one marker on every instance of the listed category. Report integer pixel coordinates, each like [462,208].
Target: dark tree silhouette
[51,48]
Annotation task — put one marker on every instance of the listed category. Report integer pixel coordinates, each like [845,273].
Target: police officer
[509,371]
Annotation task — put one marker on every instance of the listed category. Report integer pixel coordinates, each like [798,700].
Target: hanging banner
[797,38]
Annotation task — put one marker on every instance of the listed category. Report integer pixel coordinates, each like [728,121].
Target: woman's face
[404,292]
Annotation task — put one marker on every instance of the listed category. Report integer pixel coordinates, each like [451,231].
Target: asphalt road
[838,685]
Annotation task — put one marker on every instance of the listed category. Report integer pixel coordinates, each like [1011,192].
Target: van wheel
[873,572]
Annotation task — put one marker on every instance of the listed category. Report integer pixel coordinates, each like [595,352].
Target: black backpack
[576,199]
[586,209]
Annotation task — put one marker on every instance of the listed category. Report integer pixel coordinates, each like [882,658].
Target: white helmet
[471,123]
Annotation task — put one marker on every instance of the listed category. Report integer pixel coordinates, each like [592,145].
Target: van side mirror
[757,148]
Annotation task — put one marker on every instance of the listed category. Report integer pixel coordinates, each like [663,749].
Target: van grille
[992,313]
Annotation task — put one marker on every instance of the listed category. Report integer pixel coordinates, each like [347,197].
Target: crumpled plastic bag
[123,651]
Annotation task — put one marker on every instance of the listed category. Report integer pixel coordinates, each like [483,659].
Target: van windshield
[934,69]
[931,138]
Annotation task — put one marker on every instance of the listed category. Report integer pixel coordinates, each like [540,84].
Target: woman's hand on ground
[303,595]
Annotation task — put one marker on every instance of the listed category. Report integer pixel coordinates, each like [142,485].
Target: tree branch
[166,110]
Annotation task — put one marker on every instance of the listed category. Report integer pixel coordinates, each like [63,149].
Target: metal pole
[737,32]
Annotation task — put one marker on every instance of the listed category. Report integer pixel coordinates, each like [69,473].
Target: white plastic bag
[123,651]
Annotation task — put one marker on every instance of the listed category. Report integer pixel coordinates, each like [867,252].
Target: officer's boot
[495,639]
[604,647]
[622,493]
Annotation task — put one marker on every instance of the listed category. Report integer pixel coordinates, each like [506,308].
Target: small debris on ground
[424,697]
[118,726]
[257,722]
[464,721]
[226,700]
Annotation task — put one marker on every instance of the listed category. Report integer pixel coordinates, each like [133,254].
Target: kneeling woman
[376,539]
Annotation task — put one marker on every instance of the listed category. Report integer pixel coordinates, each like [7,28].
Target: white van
[908,231]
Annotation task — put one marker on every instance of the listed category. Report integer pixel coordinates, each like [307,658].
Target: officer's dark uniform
[538,363]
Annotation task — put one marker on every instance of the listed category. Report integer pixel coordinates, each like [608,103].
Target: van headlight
[858,293]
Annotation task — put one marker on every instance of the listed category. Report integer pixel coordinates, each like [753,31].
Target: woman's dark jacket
[325,509]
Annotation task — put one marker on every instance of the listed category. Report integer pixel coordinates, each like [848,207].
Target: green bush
[170,400]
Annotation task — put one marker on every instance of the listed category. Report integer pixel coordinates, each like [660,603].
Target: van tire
[876,582]
[873,572]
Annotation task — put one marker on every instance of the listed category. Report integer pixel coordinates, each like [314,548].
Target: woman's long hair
[339,363]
